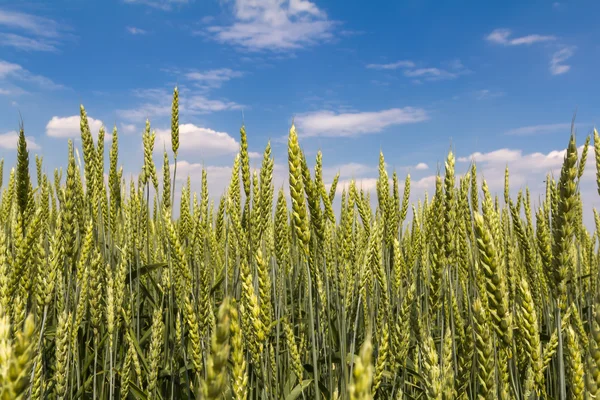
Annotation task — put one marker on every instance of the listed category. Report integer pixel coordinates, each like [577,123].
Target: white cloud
[417,186]
[502,36]
[144,111]
[69,127]
[487,94]
[454,69]
[128,128]
[213,173]
[539,129]
[218,177]
[531,169]
[38,26]
[394,65]
[430,73]
[348,170]
[275,25]
[213,77]
[7,69]
[202,105]
[15,71]
[29,32]
[9,141]
[25,43]
[421,166]
[327,123]
[524,168]
[5,92]
[557,66]
[164,5]
[208,142]
[158,104]
[136,31]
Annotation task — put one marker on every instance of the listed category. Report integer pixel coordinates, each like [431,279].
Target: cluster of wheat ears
[104,295]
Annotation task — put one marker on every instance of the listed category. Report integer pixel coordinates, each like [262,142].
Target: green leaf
[137,392]
[297,391]
[144,270]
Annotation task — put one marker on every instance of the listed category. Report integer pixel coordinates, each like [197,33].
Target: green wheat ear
[22,174]
[119,289]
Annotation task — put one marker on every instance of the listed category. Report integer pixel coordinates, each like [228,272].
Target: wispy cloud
[39,26]
[29,32]
[201,104]
[165,5]
[213,78]
[136,31]
[25,43]
[394,65]
[430,73]
[327,123]
[484,94]
[451,70]
[503,36]
[557,66]
[539,129]
[14,72]
[275,25]
[9,141]
[158,104]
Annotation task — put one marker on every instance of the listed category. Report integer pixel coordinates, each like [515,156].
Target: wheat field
[265,295]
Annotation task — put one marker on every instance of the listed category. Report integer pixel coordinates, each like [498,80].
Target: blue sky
[498,82]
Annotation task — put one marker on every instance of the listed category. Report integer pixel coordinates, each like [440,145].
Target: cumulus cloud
[328,123]
[208,142]
[69,127]
[275,25]
[418,187]
[421,166]
[9,141]
[503,36]
[531,170]
[524,168]
[219,176]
